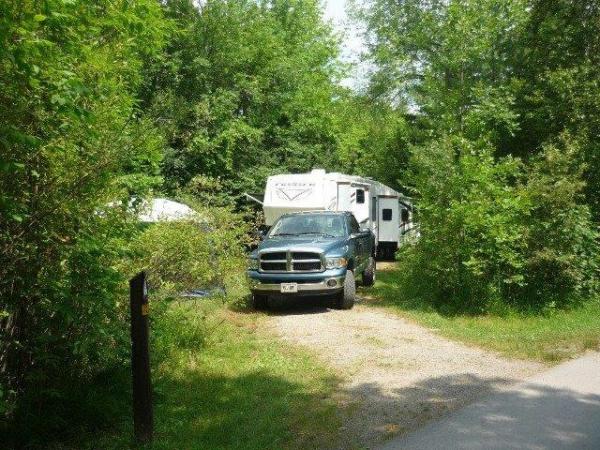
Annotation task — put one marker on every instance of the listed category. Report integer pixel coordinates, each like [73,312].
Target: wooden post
[140,359]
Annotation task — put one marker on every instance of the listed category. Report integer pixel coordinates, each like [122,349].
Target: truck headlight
[252,264]
[335,263]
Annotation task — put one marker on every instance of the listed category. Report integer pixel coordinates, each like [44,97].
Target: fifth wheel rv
[377,207]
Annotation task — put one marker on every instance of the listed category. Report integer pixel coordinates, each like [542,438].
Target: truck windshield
[327,225]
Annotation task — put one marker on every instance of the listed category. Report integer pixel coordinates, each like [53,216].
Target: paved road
[557,409]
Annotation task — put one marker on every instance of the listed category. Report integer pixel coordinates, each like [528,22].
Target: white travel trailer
[376,206]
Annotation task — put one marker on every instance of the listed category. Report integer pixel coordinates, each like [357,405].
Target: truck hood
[306,243]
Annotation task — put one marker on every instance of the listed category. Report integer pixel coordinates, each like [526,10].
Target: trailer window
[360,196]
[386,214]
[374,209]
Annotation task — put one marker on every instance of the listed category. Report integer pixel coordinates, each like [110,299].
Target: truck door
[361,243]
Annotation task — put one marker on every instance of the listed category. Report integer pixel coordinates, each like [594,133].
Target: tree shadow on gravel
[258,410]
[280,305]
[380,414]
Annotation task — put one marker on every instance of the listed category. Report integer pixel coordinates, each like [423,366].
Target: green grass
[548,338]
[231,386]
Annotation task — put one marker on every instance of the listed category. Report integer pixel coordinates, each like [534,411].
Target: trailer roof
[321,175]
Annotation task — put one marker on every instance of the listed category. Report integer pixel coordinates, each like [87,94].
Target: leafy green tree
[489,80]
[71,141]
[372,136]
[245,88]
[448,60]
[470,250]
[557,63]
[562,257]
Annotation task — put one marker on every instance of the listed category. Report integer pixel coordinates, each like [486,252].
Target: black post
[140,359]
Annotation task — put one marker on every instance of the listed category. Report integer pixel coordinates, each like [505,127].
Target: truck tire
[260,302]
[345,299]
[368,276]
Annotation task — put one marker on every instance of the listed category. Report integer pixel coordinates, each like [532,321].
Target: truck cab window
[386,214]
[360,196]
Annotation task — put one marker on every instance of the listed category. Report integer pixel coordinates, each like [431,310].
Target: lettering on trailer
[294,190]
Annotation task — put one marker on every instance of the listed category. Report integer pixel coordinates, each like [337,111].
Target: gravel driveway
[398,375]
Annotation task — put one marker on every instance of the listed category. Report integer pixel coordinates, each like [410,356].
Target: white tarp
[164,210]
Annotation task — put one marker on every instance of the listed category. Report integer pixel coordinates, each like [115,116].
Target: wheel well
[351,264]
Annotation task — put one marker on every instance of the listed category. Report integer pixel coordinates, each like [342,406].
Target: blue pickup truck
[312,254]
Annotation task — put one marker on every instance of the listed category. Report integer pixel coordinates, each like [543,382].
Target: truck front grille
[299,256]
[289,261]
[273,266]
[306,266]
[282,256]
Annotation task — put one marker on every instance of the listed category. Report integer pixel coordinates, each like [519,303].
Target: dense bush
[206,252]
[562,258]
[499,232]
[471,239]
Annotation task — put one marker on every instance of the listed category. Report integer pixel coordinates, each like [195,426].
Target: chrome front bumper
[320,286]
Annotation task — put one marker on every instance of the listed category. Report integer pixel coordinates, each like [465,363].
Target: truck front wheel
[345,299]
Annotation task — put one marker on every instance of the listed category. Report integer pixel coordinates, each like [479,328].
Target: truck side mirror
[362,233]
[260,234]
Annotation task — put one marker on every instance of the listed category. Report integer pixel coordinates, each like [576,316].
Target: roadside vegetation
[220,382]
[223,383]
[550,336]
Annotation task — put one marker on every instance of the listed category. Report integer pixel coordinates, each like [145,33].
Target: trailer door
[360,199]
[389,220]
[343,197]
